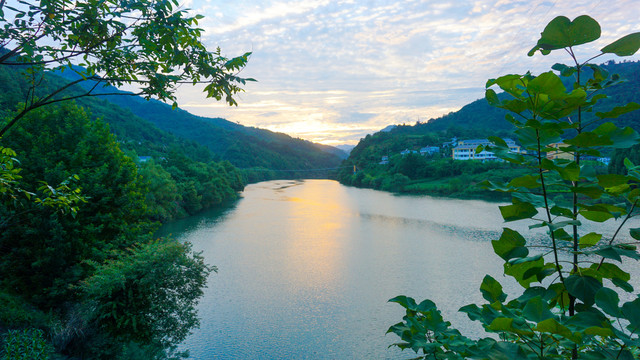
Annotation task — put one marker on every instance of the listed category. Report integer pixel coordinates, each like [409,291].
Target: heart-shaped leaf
[561,33]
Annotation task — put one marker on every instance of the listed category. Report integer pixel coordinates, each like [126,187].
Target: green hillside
[439,174]
[245,147]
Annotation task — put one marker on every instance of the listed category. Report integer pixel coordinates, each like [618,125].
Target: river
[306,268]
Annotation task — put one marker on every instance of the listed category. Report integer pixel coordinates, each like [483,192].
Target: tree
[570,307]
[148,295]
[153,44]
[162,195]
[42,249]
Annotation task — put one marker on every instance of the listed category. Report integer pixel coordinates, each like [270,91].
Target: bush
[27,344]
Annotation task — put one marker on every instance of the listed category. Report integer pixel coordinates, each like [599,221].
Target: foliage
[572,305]
[153,44]
[162,197]
[418,174]
[72,267]
[62,198]
[202,185]
[15,312]
[43,249]
[8,173]
[57,241]
[148,294]
[28,344]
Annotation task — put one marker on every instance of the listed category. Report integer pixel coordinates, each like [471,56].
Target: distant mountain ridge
[478,120]
[479,115]
[245,147]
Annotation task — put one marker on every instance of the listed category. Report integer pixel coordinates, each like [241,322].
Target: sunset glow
[334,71]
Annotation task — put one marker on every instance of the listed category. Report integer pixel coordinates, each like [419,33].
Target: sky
[332,71]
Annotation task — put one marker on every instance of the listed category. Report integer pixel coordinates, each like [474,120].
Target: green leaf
[625,46]
[622,285]
[492,98]
[589,239]
[610,271]
[583,288]
[492,290]
[562,33]
[618,110]
[497,141]
[406,302]
[588,139]
[631,312]
[518,211]
[620,138]
[525,260]
[635,233]
[526,181]
[611,180]
[608,300]
[425,306]
[518,271]
[591,323]
[561,211]
[597,216]
[494,350]
[547,83]
[591,191]
[554,327]
[561,224]
[609,252]
[564,69]
[507,324]
[510,245]
[537,310]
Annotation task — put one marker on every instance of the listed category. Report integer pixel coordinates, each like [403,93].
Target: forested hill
[245,147]
[479,120]
[438,173]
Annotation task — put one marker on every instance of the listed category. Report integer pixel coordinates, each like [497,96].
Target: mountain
[346,149]
[479,120]
[475,120]
[245,147]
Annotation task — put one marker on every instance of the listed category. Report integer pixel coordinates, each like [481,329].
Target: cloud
[322,65]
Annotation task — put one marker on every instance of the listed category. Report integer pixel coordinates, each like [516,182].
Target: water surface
[306,268]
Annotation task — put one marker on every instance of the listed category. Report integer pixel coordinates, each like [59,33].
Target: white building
[466,149]
[406,152]
[429,150]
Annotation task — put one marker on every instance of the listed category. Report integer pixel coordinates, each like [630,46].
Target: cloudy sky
[332,71]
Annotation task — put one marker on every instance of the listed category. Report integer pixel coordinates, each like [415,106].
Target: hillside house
[558,154]
[429,150]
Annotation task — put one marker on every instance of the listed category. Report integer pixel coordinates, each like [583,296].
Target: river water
[306,268]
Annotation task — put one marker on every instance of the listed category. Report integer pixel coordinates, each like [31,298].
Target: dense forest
[437,173]
[78,212]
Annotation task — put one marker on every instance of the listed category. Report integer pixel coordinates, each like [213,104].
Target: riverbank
[465,186]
